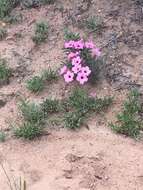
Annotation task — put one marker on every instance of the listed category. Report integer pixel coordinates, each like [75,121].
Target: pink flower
[69,76]
[63,70]
[89,45]
[76,68]
[72,55]
[81,78]
[96,52]
[77,53]
[69,44]
[79,44]
[86,71]
[76,60]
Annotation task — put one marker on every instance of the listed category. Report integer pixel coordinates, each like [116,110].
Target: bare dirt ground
[94,159]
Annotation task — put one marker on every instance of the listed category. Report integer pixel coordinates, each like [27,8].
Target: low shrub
[34,120]
[101,104]
[28,130]
[36,84]
[31,112]
[6,7]
[129,121]
[49,75]
[94,24]
[68,35]
[41,33]
[80,105]
[74,109]
[13,18]
[74,120]
[81,101]
[50,106]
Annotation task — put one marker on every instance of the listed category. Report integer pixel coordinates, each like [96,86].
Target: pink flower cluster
[78,68]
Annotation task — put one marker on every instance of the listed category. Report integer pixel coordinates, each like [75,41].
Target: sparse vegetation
[5,72]
[13,18]
[49,75]
[81,105]
[35,84]
[12,183]
[94,24]
[34,118]
[33,121]
[80,100]
[28,130]
[101,104]
[68,35]
[50,106]
[128,121]
[41,33]
[74,120]
[31,112]
[5,7]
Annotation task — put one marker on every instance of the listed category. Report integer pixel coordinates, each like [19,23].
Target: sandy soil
[83,160]
[94,159]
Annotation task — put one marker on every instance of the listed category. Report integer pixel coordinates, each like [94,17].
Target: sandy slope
[94,159]
[85,160]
